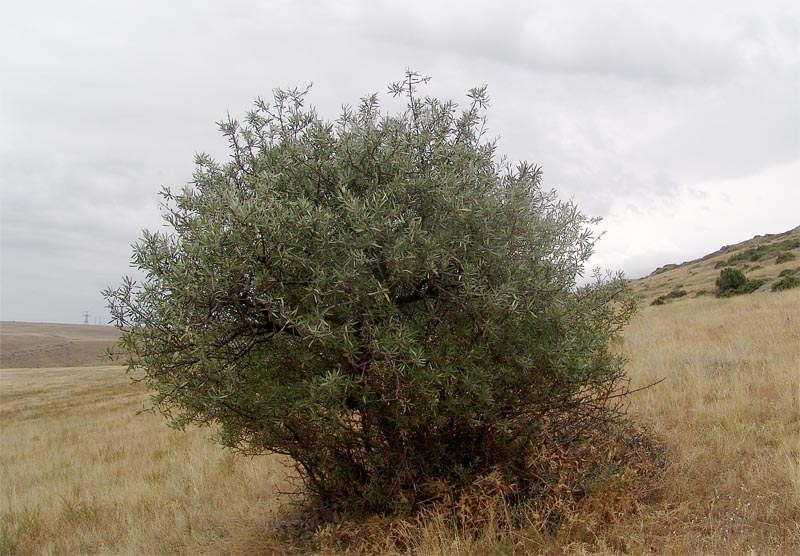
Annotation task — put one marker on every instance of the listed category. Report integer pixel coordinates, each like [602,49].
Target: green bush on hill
[788,279]
[732,281]
[751,286]
[781,250]
[662,299]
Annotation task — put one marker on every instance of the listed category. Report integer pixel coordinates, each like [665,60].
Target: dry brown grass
[81,474]
[730,414]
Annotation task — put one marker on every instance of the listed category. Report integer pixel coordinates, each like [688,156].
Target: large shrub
[379,297]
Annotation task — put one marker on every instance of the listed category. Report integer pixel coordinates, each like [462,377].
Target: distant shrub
[701,292]
[732,281]
[753,254]
[782,250]
[750,286]
[788,279]
[661,299]
[729,281]
[765,251]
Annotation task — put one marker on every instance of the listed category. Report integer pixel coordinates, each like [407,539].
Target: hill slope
[762,257]
[31,345]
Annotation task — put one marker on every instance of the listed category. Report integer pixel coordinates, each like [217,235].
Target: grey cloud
[624,40]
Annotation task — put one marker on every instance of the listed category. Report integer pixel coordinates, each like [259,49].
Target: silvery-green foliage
[380,297]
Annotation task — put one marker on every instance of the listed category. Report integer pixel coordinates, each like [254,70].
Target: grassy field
[33,345]
[82,473]
[729,411]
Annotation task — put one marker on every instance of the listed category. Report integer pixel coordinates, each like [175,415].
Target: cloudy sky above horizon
[676,122]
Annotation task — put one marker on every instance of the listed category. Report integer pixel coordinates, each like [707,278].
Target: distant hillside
[762,257]
[30,345]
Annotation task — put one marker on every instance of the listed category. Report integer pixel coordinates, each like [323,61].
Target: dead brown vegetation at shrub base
[582,487]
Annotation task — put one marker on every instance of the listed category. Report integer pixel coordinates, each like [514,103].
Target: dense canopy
[381,298]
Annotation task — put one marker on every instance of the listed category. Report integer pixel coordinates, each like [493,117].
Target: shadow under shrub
[577,490]
[379,298]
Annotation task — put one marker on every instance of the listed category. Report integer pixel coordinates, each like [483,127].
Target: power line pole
[85,317]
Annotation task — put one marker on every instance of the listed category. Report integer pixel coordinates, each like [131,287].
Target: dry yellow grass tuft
[82,474]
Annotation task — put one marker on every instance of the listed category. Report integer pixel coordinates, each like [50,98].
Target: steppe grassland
[81,474]
[729,412]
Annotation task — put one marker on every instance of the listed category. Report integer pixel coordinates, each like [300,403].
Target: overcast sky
[677,122]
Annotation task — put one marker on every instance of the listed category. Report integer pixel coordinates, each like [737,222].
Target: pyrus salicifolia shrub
[379,297]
